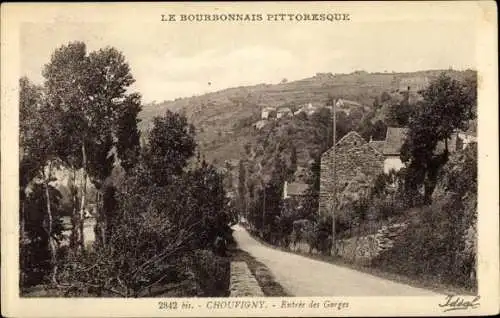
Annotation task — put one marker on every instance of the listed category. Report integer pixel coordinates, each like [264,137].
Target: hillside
[224,119]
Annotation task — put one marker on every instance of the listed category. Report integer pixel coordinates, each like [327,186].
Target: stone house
[354,156]
[283,112]
[266,112]
[296,190]
[467,138]
[396,136]
[394,139]
[260,124]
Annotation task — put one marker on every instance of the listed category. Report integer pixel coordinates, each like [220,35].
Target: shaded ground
[303,276]
[261,273]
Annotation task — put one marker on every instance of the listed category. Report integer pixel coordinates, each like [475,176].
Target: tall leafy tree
[447,106]
[127,132]
[242,193]
[38,156]
[171,145]
[90,93]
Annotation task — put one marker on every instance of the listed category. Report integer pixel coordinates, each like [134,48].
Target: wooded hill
[224,119]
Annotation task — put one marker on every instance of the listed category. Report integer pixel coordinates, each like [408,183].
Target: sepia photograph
[237,153]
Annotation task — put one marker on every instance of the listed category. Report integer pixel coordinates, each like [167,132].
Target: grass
[261,273]
[418,282]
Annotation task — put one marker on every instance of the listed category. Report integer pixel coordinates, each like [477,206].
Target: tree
[376,103]
[293,160]
[156,224]
[385,97]
[242,187]
[89,91]
[400,113]
[38,156]
[128,135]
[379,130]
[171,144]
[447,106]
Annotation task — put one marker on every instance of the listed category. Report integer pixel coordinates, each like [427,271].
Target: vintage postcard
[249,159]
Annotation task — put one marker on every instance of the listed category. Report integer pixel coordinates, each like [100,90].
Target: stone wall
[243,283]
[362,250]
[353,156]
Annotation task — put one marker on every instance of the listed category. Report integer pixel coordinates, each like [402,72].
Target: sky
[180,60]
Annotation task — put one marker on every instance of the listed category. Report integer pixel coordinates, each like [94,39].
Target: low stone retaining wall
[363,249]
[243,283]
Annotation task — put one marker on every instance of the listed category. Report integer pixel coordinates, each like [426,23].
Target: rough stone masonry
[354,155]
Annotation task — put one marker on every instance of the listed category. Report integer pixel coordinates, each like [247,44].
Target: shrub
[211,273]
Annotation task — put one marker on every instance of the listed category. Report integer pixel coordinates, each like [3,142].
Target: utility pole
[334,200]
[263,210]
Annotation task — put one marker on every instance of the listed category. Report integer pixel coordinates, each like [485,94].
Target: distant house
[394,139]
[260,124]
[295,190]
[354,156]
[415,83]
[396,136]
[265,113]
[283,112]
[309,109]
[467,138]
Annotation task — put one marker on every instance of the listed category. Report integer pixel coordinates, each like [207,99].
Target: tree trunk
[102,223]
[74,216]
[83,197]
[52,246]
[23,217]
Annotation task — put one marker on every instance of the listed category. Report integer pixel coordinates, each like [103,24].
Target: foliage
[87,94]
[171,144]
[446,107]
[127,132]
[400,111]
[151,225]
[35,254]
[440,243]
[152,213]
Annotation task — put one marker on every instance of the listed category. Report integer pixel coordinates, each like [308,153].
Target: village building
[354,156]
[396,136]
[467,138]
[283,112]
[308,109]
[260,124]
[394,139]
[266,112]
[295,190]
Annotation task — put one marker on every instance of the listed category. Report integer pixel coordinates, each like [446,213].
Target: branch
[154,283]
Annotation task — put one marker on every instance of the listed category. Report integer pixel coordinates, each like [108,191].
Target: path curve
[302,276]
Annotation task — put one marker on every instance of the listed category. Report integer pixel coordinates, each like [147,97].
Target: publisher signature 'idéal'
[452,302]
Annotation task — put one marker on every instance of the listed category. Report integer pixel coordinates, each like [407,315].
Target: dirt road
[302,276]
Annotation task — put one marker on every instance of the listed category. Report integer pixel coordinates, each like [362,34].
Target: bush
[434,247]
[211,273]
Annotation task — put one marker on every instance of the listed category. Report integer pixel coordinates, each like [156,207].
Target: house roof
[350,135]
[297,188]
[284,109]
[394,139]
[378,145]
